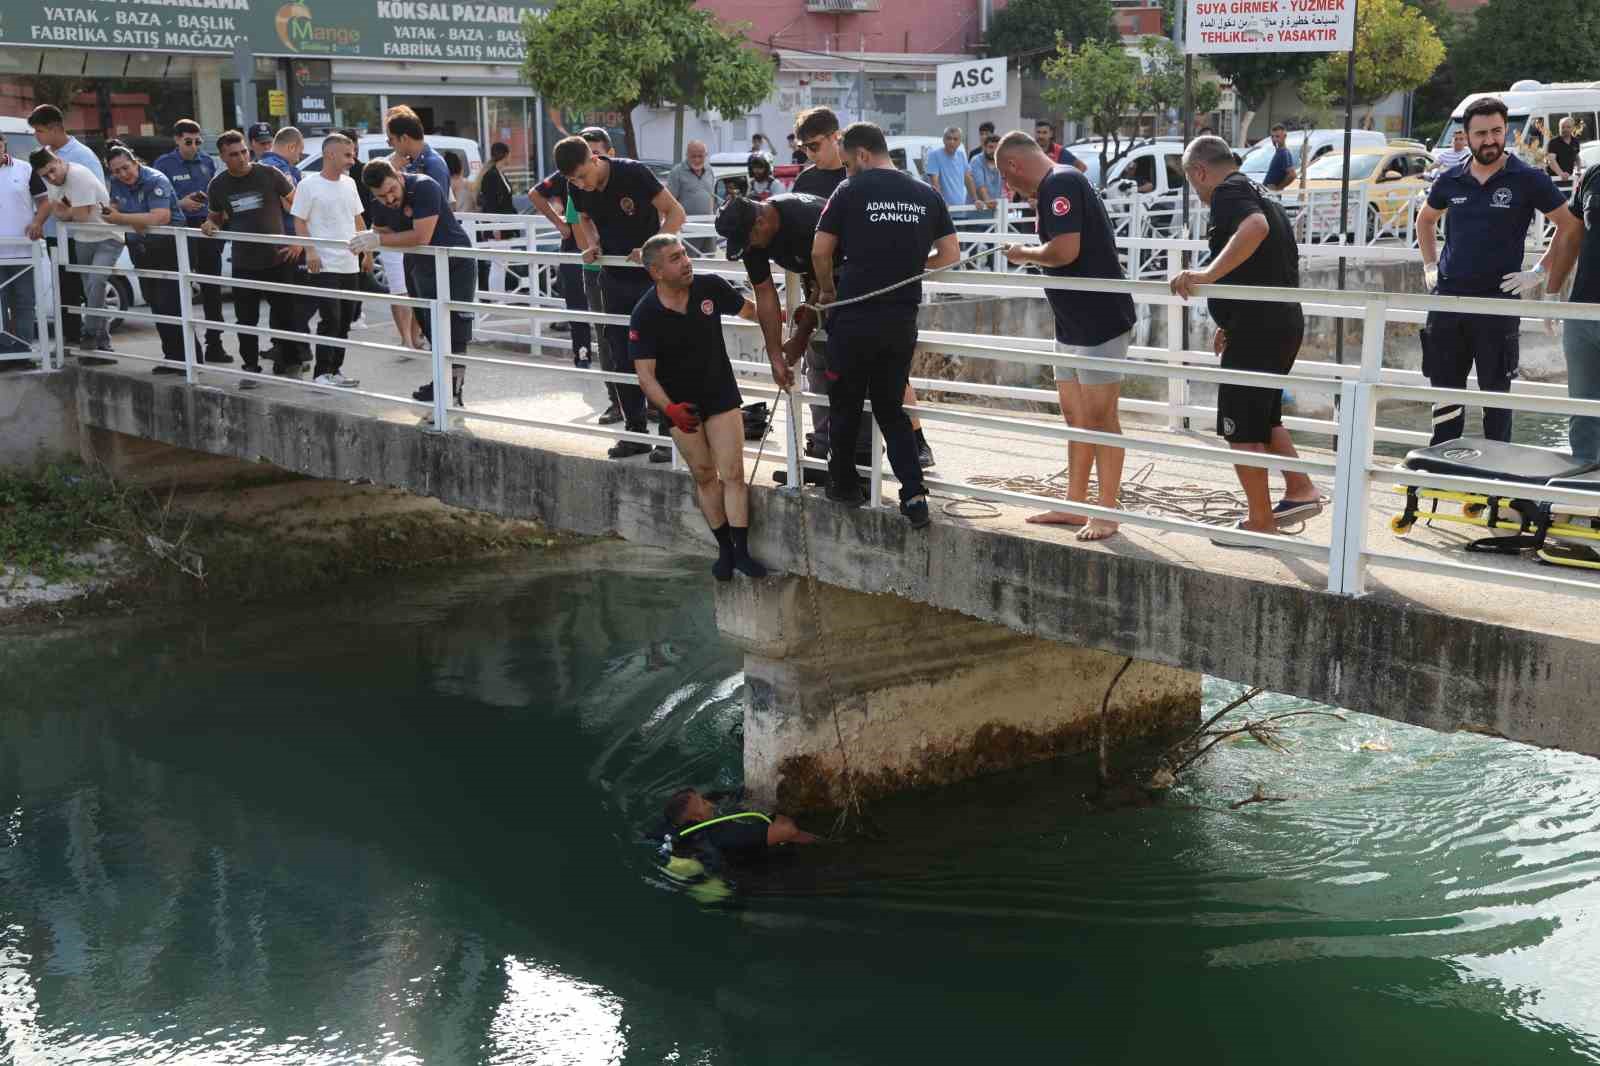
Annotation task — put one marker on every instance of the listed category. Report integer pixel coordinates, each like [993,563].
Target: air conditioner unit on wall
[840,7]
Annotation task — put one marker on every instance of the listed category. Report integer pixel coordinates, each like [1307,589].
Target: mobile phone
[200,196]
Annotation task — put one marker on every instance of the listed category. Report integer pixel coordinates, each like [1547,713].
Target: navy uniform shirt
[151,191]
[886,222]
[1275,263]
[288,170]
[1068,204]
[691,357]
[188,176]
[1586,204]
[423,198]
[432,164]
[1488,223]
[622,212]
[819,182]
[791,245]
[1278,169]
[554,187]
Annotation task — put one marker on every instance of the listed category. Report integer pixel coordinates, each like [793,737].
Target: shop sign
[312,82]
[974,85]
[1214,26]
[317,29]
[277,103]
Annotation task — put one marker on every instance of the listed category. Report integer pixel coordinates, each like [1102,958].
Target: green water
[405,824]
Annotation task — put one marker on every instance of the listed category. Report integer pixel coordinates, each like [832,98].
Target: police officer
[620,204]
[1491,198]
[141,196]
[882,224]
[190,171]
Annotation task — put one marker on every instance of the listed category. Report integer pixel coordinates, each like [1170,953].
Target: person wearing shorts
[1076,241]
[677,348]
[1252,243]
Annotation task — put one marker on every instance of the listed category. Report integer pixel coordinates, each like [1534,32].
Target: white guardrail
[1354,473]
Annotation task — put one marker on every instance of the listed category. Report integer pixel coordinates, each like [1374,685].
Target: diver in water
[701,836]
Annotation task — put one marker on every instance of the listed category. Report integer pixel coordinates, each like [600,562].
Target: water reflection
[410,825]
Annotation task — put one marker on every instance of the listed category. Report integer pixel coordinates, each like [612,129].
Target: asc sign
[974,85]
[1213,26]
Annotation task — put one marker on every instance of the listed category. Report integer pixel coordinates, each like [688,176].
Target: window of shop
[362,112]
[134,97]
[511,122]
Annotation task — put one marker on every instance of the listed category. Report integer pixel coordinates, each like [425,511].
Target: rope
[913,279]
[1198,503]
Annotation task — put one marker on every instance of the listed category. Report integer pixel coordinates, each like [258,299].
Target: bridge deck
[964,453]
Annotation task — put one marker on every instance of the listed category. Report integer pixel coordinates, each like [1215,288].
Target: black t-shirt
[1275,262]
[791,246]
[1069,204]
[1586,204]
[818,182]
[622,211]
[691,358]
[886,222]
[251,204]
[1566,153]
[555,187]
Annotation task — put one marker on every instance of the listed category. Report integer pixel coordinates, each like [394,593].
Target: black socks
[722,569]
[734,544]
[742,561]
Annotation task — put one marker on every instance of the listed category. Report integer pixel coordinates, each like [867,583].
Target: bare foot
[1098,529]
[1271,528]
[1057,518]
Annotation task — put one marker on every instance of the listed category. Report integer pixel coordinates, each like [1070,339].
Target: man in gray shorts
[1076,242]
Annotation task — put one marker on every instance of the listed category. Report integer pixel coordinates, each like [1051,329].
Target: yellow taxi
[1391,175]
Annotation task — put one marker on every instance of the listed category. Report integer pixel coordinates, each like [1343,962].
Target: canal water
[415,822]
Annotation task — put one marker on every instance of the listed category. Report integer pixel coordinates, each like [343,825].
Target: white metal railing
[1353,471]
[26,265]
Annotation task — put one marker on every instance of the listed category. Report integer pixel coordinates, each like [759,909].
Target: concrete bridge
[981,643]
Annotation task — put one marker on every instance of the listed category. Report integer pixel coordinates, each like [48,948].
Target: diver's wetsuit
[741,832]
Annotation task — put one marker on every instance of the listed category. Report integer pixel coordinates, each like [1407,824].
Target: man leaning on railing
[1252,243]
[143,197]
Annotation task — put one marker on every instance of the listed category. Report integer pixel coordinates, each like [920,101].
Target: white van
[1528,100]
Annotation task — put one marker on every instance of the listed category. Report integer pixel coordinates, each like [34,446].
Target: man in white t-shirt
[75,194]
[327,205]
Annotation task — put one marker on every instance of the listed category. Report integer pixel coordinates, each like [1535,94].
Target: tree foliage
[1025,28]
[1397,49]
[1548,40]
[1254,75]
[1161,82]
[602,55]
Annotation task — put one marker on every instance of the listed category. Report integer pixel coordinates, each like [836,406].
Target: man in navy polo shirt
[1491,199]
[406,137]
[190,171]
[1281,171]
[676,344]
[1076,241]
[620,205]
[409,212]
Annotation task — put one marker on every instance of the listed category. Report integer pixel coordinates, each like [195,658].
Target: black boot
[722,569]
[742,561]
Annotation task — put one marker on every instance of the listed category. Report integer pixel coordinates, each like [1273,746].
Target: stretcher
[1558,533]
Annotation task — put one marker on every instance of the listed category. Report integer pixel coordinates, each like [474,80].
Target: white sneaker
[338,381]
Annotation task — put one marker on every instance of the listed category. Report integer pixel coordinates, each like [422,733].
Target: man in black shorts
[621,205]
[886,227]
[817,130]
[1252,243]
[677,348]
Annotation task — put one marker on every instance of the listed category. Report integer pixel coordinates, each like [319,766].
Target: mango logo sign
[299,33]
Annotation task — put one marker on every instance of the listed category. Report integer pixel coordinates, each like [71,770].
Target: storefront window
[130,96]
[511,122]
[357,111]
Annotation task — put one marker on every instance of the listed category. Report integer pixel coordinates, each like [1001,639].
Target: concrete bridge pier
[924,696]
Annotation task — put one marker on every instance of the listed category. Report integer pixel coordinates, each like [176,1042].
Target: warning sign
[1283,25]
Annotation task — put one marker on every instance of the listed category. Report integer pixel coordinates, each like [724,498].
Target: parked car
[910,154]
[376,146]
[1391,177]
[1154,167]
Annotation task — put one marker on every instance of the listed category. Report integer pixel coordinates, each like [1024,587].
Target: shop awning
[907,63]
